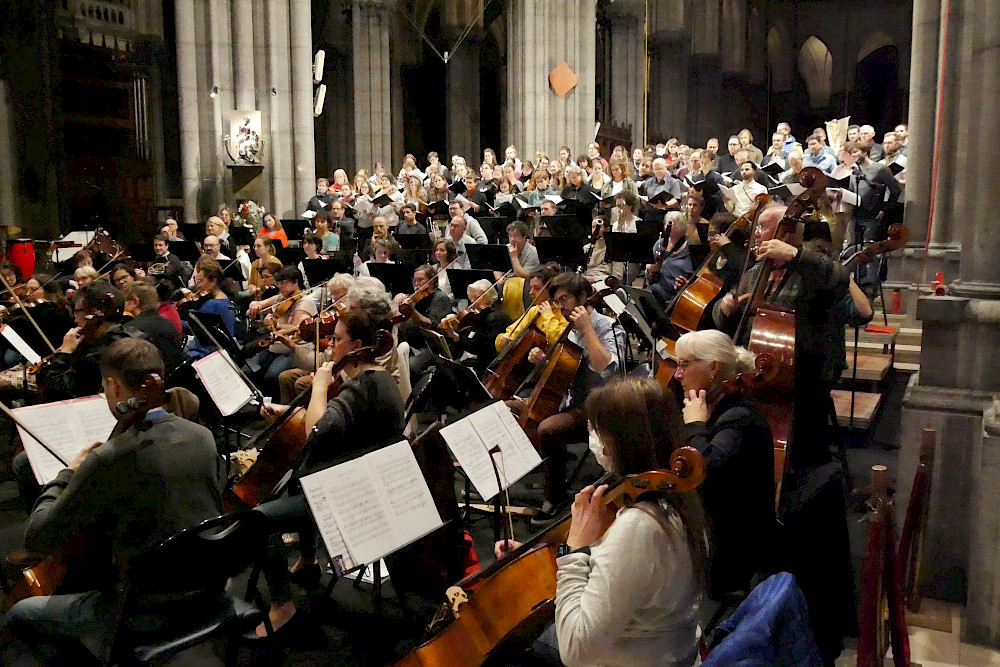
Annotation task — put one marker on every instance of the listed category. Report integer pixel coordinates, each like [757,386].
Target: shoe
[306,577]
[301,630]
[548,513]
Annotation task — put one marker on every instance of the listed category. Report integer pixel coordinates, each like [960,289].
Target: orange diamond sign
[562,79]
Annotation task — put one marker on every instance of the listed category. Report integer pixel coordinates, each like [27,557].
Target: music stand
[185,250]
[193,231]
[412,258]
[241,235]
[342,262]
[495,257]
[295,228]
[564,250]
[436,343]
[205,326]
[318,271]
[495,227]
[460,280]
[413,241]
[141,252]
[627,247]
[291,256]
[234,271]
[567,225]
[397,278]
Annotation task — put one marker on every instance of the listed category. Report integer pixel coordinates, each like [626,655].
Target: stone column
[303,144]
[372,88]
[463,98]
[668,86]
[8,169]
[279,69]
[243,56]
[958,383]
[187,93]
[540,35]
[628,67]
[220,52]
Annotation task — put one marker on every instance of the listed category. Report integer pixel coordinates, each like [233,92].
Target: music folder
[773,170]
[458,187]
[895,168]
[436,208]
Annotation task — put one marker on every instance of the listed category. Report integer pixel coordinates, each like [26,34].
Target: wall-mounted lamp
[274,91]
[214,92]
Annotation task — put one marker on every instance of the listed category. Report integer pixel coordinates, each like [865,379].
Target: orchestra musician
[428,311]
[107,490]
[166,265]
[478,339]
[367,412]
[601,340]
[735,442]
[210,281]
[545,318]
[263,247]
[142,304]
[629,586]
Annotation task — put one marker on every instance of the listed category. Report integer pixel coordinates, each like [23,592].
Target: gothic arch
[873,42]
[779,58]
[816,69]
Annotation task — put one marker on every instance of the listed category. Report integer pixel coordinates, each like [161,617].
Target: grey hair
[373,299]
[678,220]
[486,287]
[713,345]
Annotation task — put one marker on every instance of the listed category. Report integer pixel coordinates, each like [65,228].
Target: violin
[327,322]
[470,316]
[515,597]
[282,444]
[285,307]
[192,300]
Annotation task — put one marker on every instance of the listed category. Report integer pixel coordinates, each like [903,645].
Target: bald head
[211,246]
[767,222]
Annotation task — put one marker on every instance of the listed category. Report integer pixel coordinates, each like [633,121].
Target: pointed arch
[816,69]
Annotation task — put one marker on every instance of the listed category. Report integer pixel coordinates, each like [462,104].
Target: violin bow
[7,411]
[31,319]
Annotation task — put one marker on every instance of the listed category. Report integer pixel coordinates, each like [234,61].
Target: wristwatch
[565,549]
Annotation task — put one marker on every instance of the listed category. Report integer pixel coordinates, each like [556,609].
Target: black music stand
[318,271]
[567,225]
[295,228]
[141,252]
[564,250]
[412,258]
[234,271]
[494,257]
[495,227]
[342,262]
[627,247]
[240,235]
[397,278]
[413,241]
[185,250]
[460,279]
[193,231]
[290,256]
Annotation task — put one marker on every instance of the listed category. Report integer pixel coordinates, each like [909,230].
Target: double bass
[772,334]
[515,597]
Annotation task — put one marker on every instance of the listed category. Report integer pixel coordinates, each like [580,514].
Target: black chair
[174,597]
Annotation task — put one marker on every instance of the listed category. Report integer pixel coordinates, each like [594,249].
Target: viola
[282,444]
[515,597]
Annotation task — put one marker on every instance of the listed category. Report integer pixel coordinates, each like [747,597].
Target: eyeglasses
[561,300]
[684,363]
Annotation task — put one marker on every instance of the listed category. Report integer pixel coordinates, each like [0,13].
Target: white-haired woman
[477,335]
[735,441]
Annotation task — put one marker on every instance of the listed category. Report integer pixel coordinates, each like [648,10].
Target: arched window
[816,69]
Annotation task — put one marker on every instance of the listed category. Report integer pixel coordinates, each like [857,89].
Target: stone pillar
[303,143]
[958,383]
[372,88]
[628,67]
[243,56]
[279,69]
[540,35]
[668,85]
[8,166]
[463,98]
[220,52]
[187,93]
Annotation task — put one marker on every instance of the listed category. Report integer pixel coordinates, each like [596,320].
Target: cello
[693,300]
[563,361]
[516,595]
[282,444]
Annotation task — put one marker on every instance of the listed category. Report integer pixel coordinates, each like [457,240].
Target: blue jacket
[770,628]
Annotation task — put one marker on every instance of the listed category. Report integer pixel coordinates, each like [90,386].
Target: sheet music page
[466,445]
[313,487]
[65,426]
[404,493]
[223,383]
[471,438]
[22,347]
[357,508]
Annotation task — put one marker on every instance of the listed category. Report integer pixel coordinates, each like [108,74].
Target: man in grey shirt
[523,255]
[474,229]
[409,224]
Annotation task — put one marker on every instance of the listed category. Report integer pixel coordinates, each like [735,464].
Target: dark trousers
[554,434]
[287,515]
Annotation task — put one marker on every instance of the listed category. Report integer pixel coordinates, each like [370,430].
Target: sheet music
[65,426]
[471,438]
[228,390]
[22,347]
[373,505]
[312,486]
